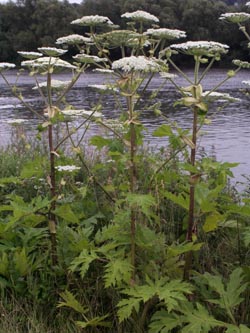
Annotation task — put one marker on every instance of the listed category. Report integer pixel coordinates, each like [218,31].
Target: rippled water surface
[228,136]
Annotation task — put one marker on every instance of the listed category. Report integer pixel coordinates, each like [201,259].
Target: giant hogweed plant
[130,256]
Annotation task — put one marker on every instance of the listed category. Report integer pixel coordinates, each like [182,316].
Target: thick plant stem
[191,215]
[52,218]
[132,169]
[52,180]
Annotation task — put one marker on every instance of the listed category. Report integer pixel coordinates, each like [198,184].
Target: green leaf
[71,302]
[179,249]
[212,221]
[99,141]
[200,321]
[22,264]
[163,130]
[230,293]
[95,322]
[82,262]
[237,329]
[66,213]
[33,168]
[164,322]
[117,271]
[180,200]
[126,306]
[142,201]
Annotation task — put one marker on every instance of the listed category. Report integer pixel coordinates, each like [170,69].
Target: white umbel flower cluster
[82,113]
[73,40]
[56,84]
[219,96]
[68,168]
[136,64]
[205,48]
[164,33]
[52,51]
[247,4]
[247,82]
[6,65]
[30,55]
[140,16]
[17,121]
[168,76]
[93,20]
[46,62]
[241,64]
[239,17]
[88,59]
[103,70]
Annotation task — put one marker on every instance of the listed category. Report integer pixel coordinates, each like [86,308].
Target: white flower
[246,82]
[73,40]
[201,48]
[51,51]
[242,64]
[92,20]
[15,121]
[235,17]
[103,70]
[46,62]
[30,55]
[56,84]
[83,113]
[247,4]
[168,76]
[219,97]
[68,168]
[6,65]
[140,15]
[88,59]
[140,63]
[166,33]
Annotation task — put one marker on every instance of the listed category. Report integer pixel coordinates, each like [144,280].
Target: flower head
[103,70]
[88,59]
[140,63]
[219,97]
[73,40]
[68,168]
[83,113]
[56,84]
[6,65]
[52,51]
[247,4]
[30,55]
[140,16]
[201,48]
[235,17]
[168,76]
[46,62]
[93,20]
[15,121]
[164,33]
[242,64]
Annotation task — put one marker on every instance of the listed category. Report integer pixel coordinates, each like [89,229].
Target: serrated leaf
[164,322]
[82,262]
[126,306]
[237,329]
[179,200]
[200,321]
[117,271]
[95,322]
[143,201]
[71,302]
[66,213]
[212,222]
[163,130]
[99,141]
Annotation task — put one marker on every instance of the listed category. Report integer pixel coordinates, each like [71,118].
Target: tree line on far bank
[28,24]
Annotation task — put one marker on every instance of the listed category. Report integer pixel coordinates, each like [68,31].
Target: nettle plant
[143,273]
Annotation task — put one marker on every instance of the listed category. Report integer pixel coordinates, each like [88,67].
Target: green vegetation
[123,240]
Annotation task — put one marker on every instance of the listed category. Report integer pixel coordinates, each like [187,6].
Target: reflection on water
[228,136]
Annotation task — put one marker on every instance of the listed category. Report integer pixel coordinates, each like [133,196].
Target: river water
[227,137]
